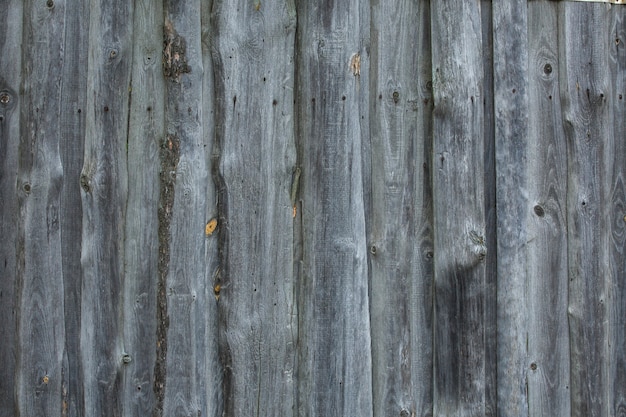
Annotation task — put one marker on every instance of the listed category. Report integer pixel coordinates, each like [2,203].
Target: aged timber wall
[299,208]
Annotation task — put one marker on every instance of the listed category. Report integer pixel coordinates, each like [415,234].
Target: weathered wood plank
[209,371]
[334,375]
[254,82]
[103,182]
[510,46]
[71,144]
[491,262]
[183,286]
[585,85]
[146,131]
[40,177]
[545,245]
[459,214]
[10,78]
[400,227]
[615,189]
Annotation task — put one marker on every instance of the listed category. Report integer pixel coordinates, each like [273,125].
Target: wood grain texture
[400,223]
[334,375]
[510,45]
[615,189]
[491,262]
[71,141]
[40,177]
[459,214]
[187,286]
[545,246]
[145,133]
[585,87]
[254,86]
[209,371]
[10,79]
[104,192]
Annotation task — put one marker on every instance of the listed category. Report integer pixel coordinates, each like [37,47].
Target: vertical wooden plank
[209,371]
[103,182]
[183,286]
[254,82]
[459,214]
[10,79]
[615,163]
[41,329]
[400,227]
[334,360]
[145,133]
[586,90]
[71,143]
[491,262]
[545,245]
[510,58]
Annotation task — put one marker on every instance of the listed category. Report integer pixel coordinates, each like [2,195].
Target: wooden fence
[312,208]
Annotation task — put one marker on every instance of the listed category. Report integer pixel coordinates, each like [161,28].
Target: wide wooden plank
[334,360]
[400,224]
[146,131]
[586,91]
[510,63]
[459,214]
[615,189]
[10,78]
[545,246]
[254,84]
[184,288]
[40,177]
[103,182]
[71,143]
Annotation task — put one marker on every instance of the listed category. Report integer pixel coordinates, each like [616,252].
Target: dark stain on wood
[169,155]
[174,53]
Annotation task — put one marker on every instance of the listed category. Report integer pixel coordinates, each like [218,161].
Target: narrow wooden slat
[545,246]
[209,372]
[586,91]
[334,374]
[184,173]
[510,56]
[491,262]
[71,144]
[400,228]
[103,183]
[459,215]
[10,79]
[615,189]
[146,131]
[254,83]
[40,177]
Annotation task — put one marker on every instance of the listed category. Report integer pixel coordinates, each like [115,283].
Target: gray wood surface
[334,362]
[511,103]
[182,219]
[104,190]
[213,208]
[41,324]
[10,79]
[616,194]
[545,246]
[71,143]
[459,214]
[400,225]
[145,133]
[585,85]
[254,94]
